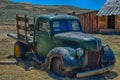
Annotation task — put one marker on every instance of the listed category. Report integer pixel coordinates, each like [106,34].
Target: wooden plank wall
[89,22]
[103,22]
[117,21]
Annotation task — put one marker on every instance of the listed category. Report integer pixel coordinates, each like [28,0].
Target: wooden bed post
[25,27]
[17,25]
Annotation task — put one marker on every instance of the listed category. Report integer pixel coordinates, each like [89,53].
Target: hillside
[8,10]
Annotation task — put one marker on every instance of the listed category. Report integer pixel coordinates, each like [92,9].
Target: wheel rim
[17,51]
[58,68]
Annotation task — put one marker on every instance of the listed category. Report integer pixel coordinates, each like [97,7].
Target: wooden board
[8,62]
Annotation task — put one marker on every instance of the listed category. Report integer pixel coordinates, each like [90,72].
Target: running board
[38,60]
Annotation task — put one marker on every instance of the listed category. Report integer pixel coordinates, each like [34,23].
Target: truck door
[44,41]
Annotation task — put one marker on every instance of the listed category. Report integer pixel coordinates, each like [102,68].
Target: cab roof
[57,17]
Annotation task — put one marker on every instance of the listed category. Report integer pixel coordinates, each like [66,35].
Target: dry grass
[6,43]
[14,72]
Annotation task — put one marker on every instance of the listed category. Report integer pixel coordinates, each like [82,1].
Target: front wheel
[19,50]
[57,67]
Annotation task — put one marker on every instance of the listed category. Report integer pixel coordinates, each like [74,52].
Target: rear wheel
[57,67]
[19,50]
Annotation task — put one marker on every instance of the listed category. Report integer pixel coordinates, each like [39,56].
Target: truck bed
[21,39]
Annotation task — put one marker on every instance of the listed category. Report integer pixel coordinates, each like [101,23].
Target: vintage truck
[59,45]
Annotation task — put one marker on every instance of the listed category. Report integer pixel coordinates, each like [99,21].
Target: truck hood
[85,41]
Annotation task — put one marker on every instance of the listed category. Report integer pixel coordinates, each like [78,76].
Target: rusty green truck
[57,42]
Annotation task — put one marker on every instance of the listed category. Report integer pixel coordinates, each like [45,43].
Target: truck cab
[46,28]
[60,46]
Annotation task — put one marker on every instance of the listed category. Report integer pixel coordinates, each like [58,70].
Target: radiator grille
[94,59]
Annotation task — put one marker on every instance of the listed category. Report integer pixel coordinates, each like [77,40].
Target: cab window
[44,26]
[66,25]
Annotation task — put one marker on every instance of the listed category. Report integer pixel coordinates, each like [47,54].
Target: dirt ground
[29,70]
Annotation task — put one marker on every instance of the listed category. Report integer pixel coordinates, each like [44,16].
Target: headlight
[106,48]
[79,52]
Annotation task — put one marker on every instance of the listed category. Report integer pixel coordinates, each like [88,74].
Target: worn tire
[57,67]
[19,50]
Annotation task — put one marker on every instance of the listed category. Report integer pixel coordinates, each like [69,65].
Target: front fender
[65,54]
[108,57]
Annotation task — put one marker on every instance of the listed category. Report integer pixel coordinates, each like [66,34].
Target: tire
[19,50]
[57,67]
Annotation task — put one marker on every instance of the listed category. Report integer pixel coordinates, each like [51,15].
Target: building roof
[111,7]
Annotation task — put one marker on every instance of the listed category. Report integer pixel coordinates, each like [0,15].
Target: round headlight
[106,48]
[79,52]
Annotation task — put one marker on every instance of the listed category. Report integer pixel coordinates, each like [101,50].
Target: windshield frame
[55,32]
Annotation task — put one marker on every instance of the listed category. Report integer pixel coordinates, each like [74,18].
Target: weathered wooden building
[106,20]
[110,16]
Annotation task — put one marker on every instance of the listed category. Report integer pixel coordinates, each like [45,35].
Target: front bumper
[94,72]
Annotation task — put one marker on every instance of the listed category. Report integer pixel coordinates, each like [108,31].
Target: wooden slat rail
[21,27]
[22,19]
[24,29]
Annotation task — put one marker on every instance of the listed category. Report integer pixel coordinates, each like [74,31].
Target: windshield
[66,26]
